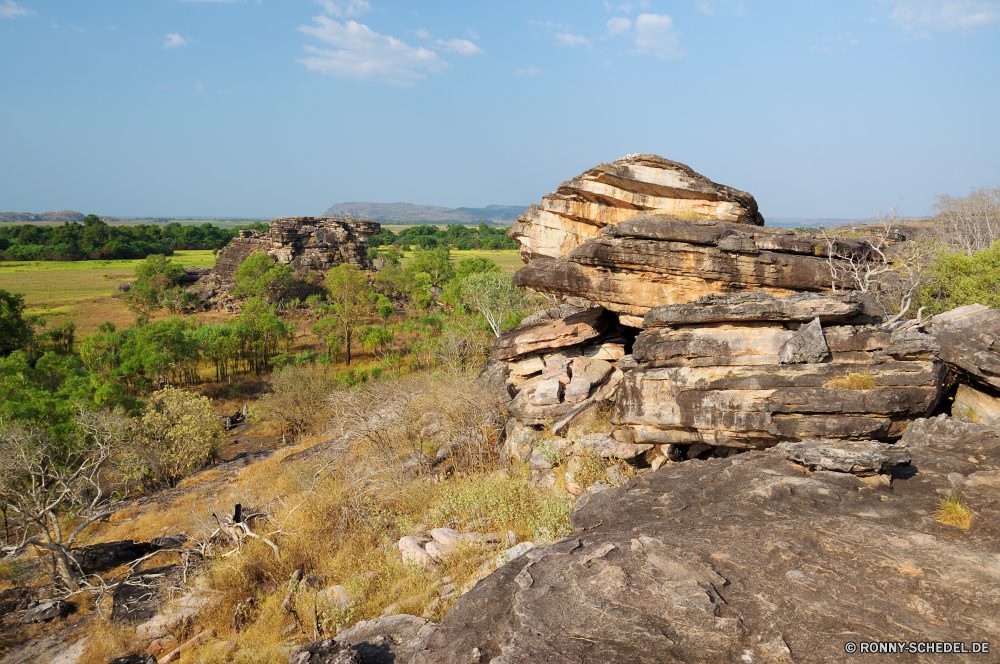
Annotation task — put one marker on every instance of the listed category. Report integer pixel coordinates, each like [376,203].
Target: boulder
[751,558]
[760,405]
[325,651]
[969,338]
[99,558]
[570,331]
[172,616]
[808,345]
[605,446]
[861,458]
[976,406]
[798,308]
[412,550]
[547,392]
[586,373]
[518,442]
[140,596]
[612,193]
[648,262]
[389,640]
[44,611]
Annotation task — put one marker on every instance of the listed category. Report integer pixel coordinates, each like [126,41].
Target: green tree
[179,432]
[475,265]
[493,295]
[260,276]
[15,331]
[351,303]
[435,263]
[956,279]
[155,280]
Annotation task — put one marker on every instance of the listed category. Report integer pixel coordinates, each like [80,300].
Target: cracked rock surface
[753,558]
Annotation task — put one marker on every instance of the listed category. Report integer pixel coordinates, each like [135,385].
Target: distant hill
[407,213]
[21,217]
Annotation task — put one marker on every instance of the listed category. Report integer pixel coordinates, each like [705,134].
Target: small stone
[44,611]
[547,393]
[807,346]
[511,538]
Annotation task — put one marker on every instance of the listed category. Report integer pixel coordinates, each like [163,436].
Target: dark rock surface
[98,558]
[389,640]
[800,308]
[134,659]
[753,558]
[140,597]
[325,651]
[969,338]
[44,612]
[862,458]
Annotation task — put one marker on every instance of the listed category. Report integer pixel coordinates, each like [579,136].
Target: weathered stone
[569,331]
[760,405]
[633,267]
[304,243]
[747,343]
[750,558]
[325,651]
[390,640]
[44,611]
[134,659]
[800,308]
[610,351]
[859,458]
[612,193]
[975,406]
[551,314]
[808,345]
[140,597]
[606,446]
[528,366]
[970,341]
[586,373]
[547,393]
[412,550]
[518,443]
[912,345]
[170,617]
[99,558]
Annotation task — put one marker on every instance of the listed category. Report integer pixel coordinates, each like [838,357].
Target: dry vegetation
[952,512]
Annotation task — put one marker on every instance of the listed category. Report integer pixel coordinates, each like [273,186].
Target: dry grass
[854,381]
[952,512]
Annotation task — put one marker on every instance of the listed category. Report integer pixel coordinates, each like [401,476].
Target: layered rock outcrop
[305,243]
[612,193]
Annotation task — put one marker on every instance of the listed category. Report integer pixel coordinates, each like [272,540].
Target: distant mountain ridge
[408,213]
[20,217]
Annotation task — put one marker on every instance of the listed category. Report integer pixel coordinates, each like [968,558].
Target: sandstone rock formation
[305,243]
[612,193]
[649,261]
[752,558]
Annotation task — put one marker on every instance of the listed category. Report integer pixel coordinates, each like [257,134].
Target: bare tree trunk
[348,346]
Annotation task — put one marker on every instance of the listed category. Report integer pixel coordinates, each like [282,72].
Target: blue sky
[820,108]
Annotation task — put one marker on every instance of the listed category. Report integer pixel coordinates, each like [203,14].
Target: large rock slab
[860,458]
[799,308]
[751,558]
[572,330]
[760,405]
[629,270]
[975,406]
[389,640]
[970,341]
[807,345]
[612,193]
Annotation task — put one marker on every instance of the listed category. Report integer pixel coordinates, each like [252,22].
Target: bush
[178,433]
[956,279]
[296,403]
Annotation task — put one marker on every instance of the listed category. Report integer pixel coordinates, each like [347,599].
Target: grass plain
[82,291]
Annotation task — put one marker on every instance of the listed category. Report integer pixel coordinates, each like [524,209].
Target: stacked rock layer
[714,335]
[612,193]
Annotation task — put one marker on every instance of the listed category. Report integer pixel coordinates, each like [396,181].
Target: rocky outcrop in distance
[307,244]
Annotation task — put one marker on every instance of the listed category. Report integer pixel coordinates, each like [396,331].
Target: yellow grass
[952,512]
[854,381]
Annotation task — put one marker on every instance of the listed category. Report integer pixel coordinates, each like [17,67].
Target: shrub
[956,279]
[296,403]
[178,433]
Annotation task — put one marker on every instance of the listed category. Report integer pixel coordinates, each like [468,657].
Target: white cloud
[618,25]
[348,8]
[223,92]
[548,24]
[530,71]
[423,33]
[567,39]
[460,46]
[655,34]
[200,87]
[944,15]
[10,9]
[174,40]
[628,6]
[841,42]
[361,53]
